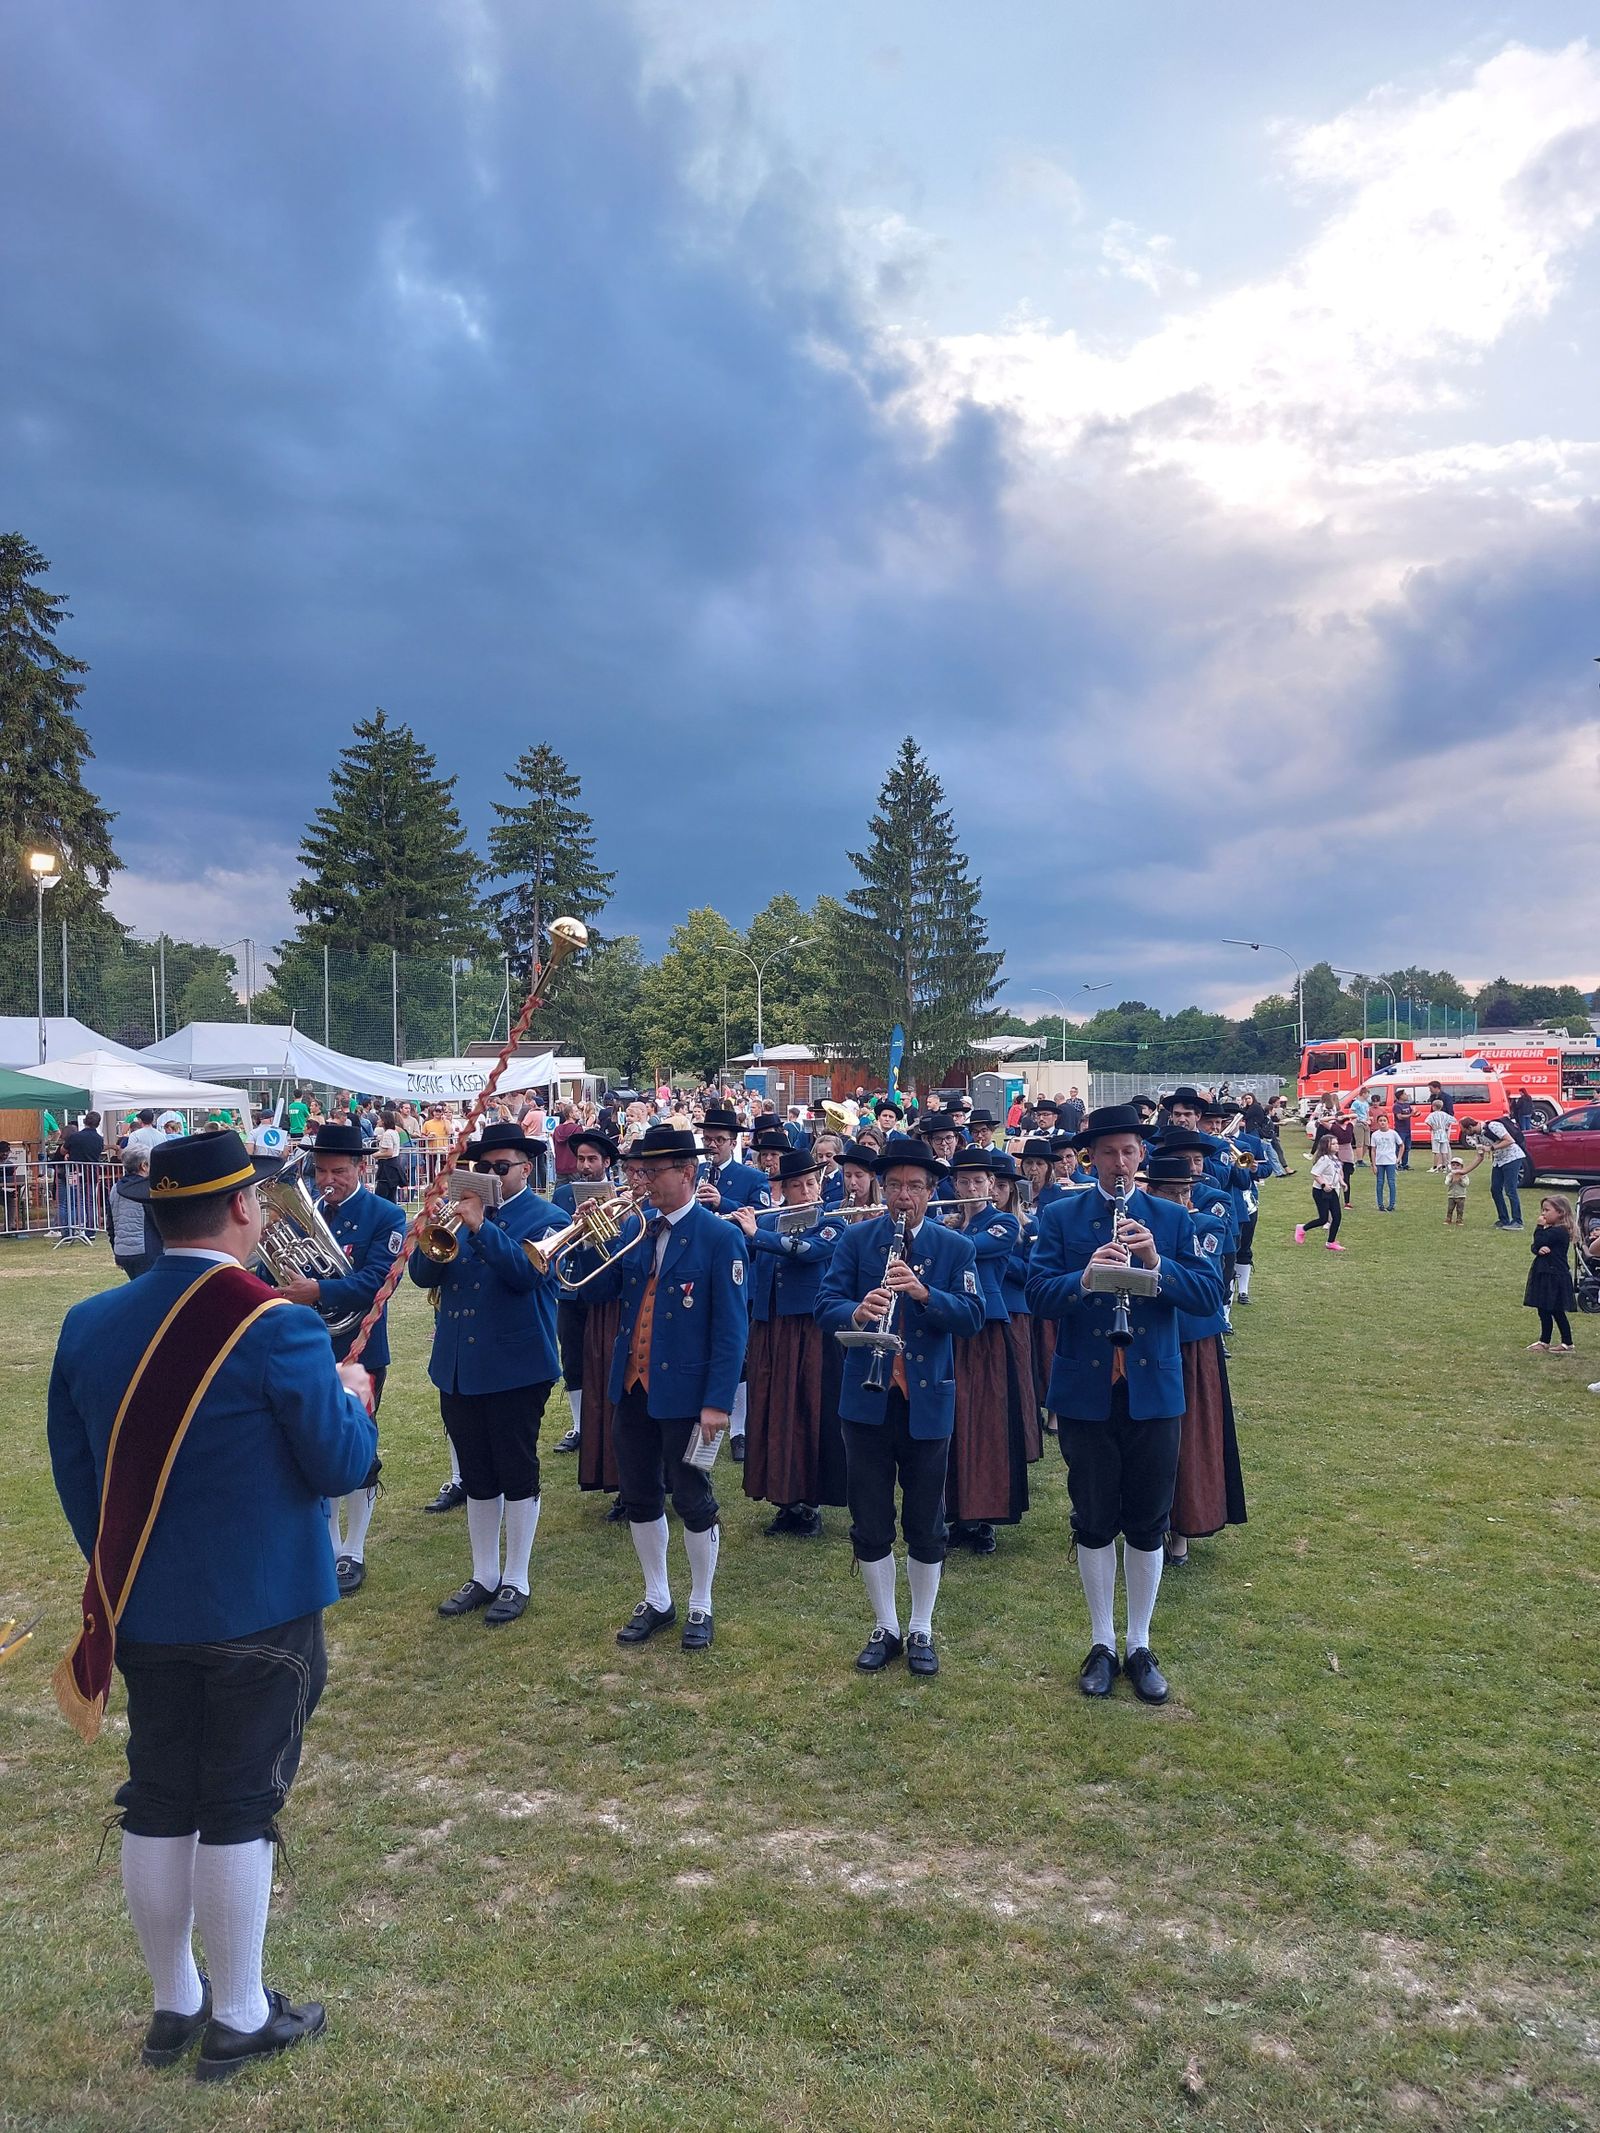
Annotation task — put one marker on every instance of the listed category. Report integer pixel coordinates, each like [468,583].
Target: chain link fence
[1123,1088]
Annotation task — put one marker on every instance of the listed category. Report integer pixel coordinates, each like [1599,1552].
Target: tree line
[389,883]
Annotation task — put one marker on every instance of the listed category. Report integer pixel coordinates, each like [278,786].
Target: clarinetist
[898,1430]
[1119,1408]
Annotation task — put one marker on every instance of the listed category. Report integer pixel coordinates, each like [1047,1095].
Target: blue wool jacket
[994,1236]
[786,1271]
[701,1324]
[1070,1231]
[371,1231]
[496,1328]
[240,1542]
[945,1262]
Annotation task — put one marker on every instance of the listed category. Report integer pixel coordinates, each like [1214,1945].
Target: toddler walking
[1457,1173]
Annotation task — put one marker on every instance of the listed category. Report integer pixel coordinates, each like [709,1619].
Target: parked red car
[1569,1147]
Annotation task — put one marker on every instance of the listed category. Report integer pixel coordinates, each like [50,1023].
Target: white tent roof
[115,1084]
[65,1037]
[269,1051]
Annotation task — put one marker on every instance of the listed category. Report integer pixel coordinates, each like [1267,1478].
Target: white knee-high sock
[1241,1279]
[924,1591]
[650,1545]
[335,1537]
[1097,1568]
[357,1517]
[522,1523]
[704,1548]
[879,1579]
[455,1461]
[1141,1575]
[575,1402]
[483,1530]
[232,1887]
[736,1413]
[158,1881]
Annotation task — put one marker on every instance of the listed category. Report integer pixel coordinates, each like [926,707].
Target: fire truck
[1544,1062]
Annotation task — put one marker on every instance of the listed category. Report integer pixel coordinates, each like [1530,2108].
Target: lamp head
[44,867]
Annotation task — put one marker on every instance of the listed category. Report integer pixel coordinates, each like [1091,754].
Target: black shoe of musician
[568,1443]
[472,1595]
[509,1602]
[1149,1683]
[882,1646]
[645,1620]
[351,1574]
[1099,1671]
[920,1654]
[736,1450]
[783,1523]
[618,1514]
[450,1498]
[170,2035]
[981,1540]
[698,1630]
[223,2050]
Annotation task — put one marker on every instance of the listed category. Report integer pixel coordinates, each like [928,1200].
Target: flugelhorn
[597,1226]
[440,1238]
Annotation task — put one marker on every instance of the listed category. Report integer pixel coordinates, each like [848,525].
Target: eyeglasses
[501,1170]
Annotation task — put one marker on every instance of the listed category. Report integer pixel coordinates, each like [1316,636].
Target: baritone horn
[296,1242]
[597,1226]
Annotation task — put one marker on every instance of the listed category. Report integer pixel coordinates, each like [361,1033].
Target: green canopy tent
[26,1092]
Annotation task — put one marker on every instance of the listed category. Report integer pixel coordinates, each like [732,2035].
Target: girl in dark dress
[1549,1290]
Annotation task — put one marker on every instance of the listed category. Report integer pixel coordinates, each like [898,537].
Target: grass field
[1345,1879]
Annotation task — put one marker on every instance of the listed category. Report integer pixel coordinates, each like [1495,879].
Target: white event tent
[269,1051]
[119,1081]
[65,1037]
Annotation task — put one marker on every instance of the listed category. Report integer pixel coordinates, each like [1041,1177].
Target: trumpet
[597,1226]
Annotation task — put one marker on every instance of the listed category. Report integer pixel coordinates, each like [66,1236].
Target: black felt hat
[1164,1169]
[797,1164]
[592,1137]
[938,1122]
[718,1118]
[1179,1140]
[863,1158]
[661,1140]
[1036,1149]
[887,1103]
[902,1152]
[205,1166]
[971,1158]
[1109,1119]
[336,1137]
[498,1139]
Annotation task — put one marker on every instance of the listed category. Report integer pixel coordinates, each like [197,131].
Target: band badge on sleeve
[738,1273]
[1208,1243]
[969,1280]
[397,1237]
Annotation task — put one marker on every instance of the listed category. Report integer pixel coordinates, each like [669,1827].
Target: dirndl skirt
[793,1443]
[987,1479]
[597,1462]
[1044,1354]
[1210,1488]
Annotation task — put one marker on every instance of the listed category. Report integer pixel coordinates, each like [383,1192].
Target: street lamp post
[766,963]
[46,871]
[1394,1007]
[1299,976]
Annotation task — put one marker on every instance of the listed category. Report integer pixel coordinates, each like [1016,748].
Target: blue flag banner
[897,1052]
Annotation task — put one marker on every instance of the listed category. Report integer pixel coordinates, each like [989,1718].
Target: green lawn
[1345,1879]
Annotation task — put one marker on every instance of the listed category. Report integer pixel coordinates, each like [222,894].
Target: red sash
[189,1347]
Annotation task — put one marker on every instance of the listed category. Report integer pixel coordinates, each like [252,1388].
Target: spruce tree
[44,803]
[543,849]
[910,944]
[387,867]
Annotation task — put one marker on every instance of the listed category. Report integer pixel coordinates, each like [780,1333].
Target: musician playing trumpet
[897,1421]
[1116,1384]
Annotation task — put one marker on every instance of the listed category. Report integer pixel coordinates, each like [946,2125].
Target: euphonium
[296,1242]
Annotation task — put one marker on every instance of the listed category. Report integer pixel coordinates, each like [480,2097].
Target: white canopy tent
[439,1081]
[269,1051]
[123,1082]
[65,1037]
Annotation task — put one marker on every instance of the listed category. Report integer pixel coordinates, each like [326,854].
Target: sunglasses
[501,1170]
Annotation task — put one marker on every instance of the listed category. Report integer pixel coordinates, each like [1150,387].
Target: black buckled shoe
[171,2035]
[351,1574]
[921,1657]
[450,1498]
[509,1602]
[568,1443]
[1149,1683]
[1098,1671]
[783,1523]
[223,2050]
[736,1450]
[645,1620]
[981,1538]
[618,1514]
[882,1646]
[471,1596]
[698,1630]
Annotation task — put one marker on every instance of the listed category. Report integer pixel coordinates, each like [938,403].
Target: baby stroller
[1586,1271]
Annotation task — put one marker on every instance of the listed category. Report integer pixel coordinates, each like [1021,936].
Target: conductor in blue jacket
[1120,1408]
[241,1425]
[900,1432]
[675,1368]
[495,1364]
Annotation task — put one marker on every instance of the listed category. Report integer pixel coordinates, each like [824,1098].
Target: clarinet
[1121,1335]
[888,1342]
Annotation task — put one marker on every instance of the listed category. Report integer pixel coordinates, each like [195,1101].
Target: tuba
[296,1242]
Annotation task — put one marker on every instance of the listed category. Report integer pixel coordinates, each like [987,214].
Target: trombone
[597,1226]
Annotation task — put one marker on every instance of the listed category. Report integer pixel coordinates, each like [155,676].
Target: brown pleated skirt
[1044,1355]
[597,1462]
[987,1480]
[1210,1488]
[1028,1391]
[793,1444]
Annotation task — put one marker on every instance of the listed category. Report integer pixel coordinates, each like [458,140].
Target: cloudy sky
[1183,419]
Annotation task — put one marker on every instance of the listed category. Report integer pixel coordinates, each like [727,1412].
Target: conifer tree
[543,849]
[910,944]
[44,803]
